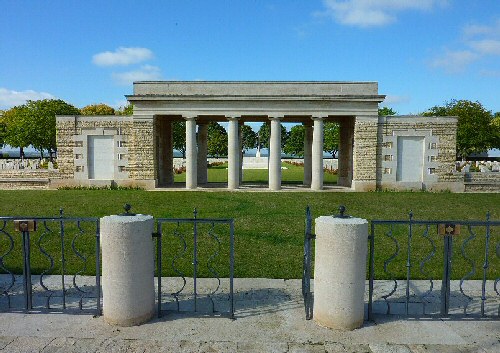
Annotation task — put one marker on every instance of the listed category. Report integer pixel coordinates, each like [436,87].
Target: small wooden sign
[448,229]
[25,225]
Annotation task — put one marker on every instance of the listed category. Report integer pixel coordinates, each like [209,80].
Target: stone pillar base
[339,272]
[127,269]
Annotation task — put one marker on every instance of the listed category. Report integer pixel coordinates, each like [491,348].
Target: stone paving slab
[269,318]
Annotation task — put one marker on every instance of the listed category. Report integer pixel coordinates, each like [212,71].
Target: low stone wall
[482,182]
[27,178]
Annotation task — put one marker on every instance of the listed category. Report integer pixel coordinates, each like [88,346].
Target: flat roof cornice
[254,89]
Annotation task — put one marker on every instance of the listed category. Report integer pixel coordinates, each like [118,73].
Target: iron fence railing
[59,246]
[433,251]
[195,252]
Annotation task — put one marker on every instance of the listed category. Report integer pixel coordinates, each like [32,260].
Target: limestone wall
[365,153]
[439,135]
[142,151]
[71,139]
[482,182]
[27,178]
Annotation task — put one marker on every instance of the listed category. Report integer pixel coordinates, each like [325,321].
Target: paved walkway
[269,318]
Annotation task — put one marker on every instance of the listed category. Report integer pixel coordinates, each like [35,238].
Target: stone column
[202,153]
[165,153]
[127,269]
[191,154]
[275,155]
[339,272]
[308,138]
[169,155]
[346,135]
[317,155]
[233,154]
[240,139]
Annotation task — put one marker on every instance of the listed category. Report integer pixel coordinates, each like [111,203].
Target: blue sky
[422,52]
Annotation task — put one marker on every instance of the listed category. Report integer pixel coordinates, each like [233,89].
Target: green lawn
[269,226]
[291,175]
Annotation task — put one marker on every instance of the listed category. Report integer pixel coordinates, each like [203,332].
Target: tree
[97,109]
[179,136]
[384,111]
[34,123]
[217,140]
[16,134]
[331,138]
[495,127]
[3,129]
[295,143]
[126,110]
[249,137]
[474,133]
[264,135]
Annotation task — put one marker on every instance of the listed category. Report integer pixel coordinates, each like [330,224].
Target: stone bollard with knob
[127,268]
[340,270]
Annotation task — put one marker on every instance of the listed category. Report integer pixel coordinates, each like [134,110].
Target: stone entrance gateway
[397,153]
[354,105]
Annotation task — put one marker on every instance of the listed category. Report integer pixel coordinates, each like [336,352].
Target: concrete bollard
[339,272]
[127,269]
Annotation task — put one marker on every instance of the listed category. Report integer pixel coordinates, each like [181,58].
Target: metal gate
[198,253]
[307,266]
[434,267]
[43,263]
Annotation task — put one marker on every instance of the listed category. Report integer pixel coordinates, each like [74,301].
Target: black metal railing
[424,256]
[195,250]
[307,266]
[51,256]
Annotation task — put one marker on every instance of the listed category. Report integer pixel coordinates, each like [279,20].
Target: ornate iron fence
[196,251]
[307,266]
[425,255]
[37,255]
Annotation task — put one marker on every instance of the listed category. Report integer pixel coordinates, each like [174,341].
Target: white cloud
[473,30]
[486,46]
[122,56]
[10,98]
[478,41]
[490,73]
[370,13]
[454,61]
[145,73]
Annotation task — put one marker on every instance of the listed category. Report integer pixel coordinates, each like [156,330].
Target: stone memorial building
[396,152]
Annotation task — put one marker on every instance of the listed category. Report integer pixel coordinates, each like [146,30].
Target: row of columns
[196,153]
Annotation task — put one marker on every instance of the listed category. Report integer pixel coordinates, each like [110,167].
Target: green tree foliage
[179,136]
[3,129]
[97,109]
[126,110]
[34,123]
[264,135]
[474,133]
[217,140]
[331,138]
[384,111]
[295,143]
[495,127]
[249,137]
[15,122]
